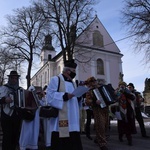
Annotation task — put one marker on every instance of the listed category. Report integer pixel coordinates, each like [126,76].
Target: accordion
[27,104]
[105,94]
[27,99]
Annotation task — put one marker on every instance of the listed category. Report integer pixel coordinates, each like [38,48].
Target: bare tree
[136,18]
[24,35]
[67,18]
[8,60]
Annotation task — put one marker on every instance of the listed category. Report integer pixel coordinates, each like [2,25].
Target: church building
[95,53]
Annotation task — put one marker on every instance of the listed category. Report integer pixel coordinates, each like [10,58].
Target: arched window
[41,81]
[45,77]
[41,58]
[98,39]
[100,67]
[101,81]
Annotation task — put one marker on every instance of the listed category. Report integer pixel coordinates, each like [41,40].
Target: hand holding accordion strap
[26,114]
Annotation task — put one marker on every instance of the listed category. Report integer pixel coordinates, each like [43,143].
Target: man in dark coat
[138,115]
[10,120]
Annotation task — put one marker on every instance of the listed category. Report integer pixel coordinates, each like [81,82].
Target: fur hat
[70,63]
[89,80]
[13,73]
[131,84]
[122,83]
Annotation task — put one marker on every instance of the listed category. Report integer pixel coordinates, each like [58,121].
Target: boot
[130,142]
[89,137]
[104,148]
[121,137]
[129,138]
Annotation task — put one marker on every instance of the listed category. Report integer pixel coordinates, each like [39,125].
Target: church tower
[48,51]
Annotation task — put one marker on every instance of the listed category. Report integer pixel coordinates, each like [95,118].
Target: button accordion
[27,99]
[27,104]
[105,94]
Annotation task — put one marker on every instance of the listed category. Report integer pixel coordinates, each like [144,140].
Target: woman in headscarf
[126,121]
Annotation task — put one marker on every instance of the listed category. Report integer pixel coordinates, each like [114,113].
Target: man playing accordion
[10,120]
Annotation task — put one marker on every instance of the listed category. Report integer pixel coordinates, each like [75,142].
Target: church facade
[95,53]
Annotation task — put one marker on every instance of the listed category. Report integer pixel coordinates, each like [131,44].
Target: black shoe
[145,136]
[83,132]
[104,148]
[129,143]
[95,141]
[89,137]
[107,137]
[120,139]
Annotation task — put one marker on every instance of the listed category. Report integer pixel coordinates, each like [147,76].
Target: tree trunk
[28,77]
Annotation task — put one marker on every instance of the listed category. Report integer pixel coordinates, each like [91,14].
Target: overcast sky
[108,12]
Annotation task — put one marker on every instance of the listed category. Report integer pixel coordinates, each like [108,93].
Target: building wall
[91,45]
[87,66]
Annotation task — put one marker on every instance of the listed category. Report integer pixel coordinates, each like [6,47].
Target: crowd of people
[74,117]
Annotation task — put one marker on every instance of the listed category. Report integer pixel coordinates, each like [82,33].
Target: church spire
[48,51]
[48,43]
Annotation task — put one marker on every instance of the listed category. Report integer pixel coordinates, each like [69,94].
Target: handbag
[26,113]
[48,112]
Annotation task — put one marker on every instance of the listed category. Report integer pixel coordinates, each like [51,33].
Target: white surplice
[30,133]
[55,99]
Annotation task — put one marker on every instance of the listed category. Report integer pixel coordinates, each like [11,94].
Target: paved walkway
[139,143]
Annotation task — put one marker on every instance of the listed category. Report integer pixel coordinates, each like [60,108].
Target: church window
[100,67]
[98,39]
[45,77]
[101,81]
[41,81]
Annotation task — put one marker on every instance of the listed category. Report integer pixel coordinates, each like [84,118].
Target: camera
[82,83]
[121,89]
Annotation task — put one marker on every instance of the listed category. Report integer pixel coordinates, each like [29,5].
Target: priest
[65,128]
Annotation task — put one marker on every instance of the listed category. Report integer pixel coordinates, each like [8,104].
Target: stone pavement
[139,143]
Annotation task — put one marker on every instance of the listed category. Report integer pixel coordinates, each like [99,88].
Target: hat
[70,63]
[13,73]
[131,84]
[91,79]
[122,83]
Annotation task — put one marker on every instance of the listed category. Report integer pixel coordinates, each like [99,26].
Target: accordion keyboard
[99,97]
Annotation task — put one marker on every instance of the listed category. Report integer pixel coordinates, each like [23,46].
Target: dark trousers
[73,142]
[89,114]
[11,131]
[139,118]
[128,136]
